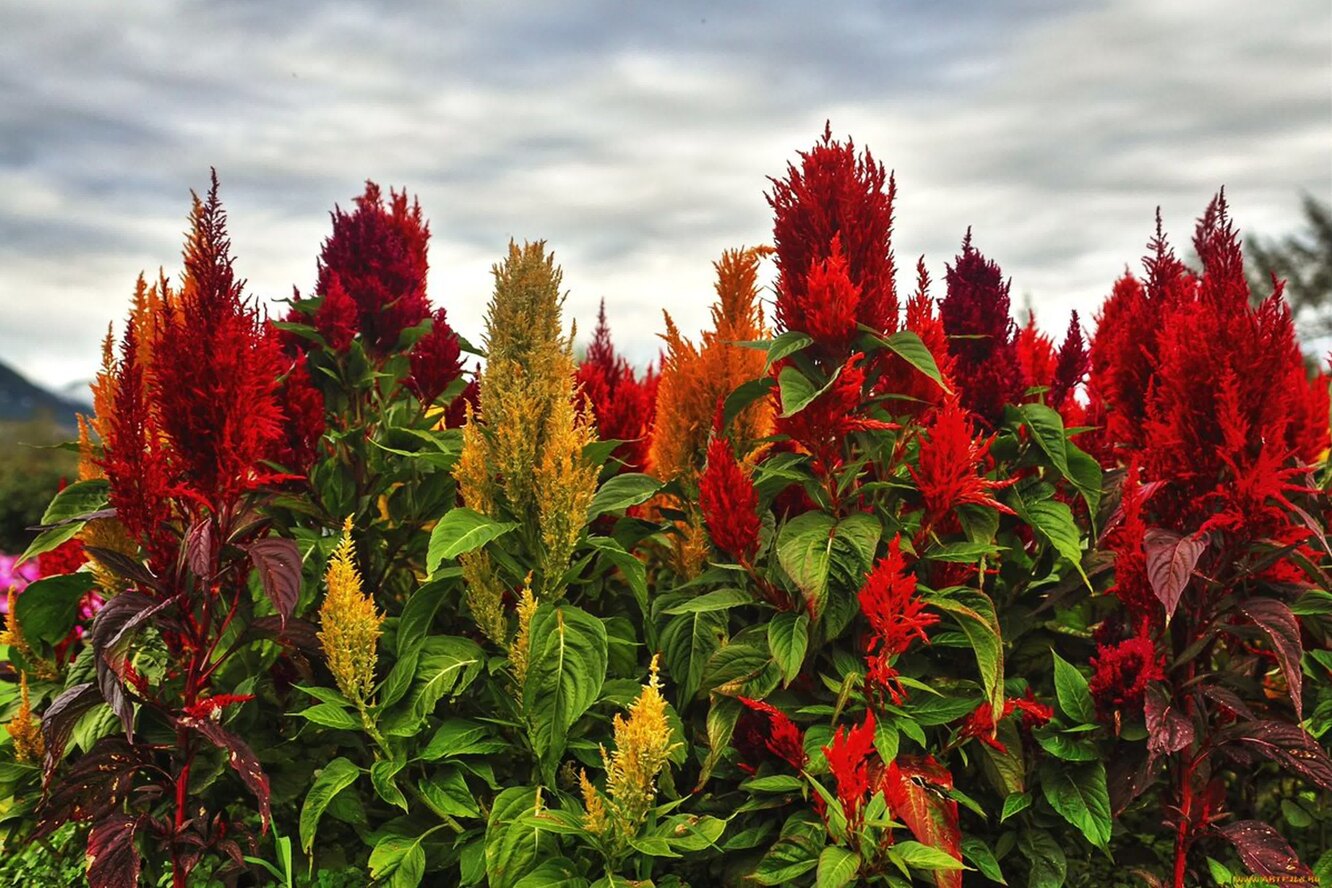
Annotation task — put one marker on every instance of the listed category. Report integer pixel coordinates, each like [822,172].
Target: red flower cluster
[303,408]
[949,472]
[63,559]
[623,405]
[975,313]
[436,360]
[372,272]
[763,729]
[729,501]
[896,616]
[212,706]
[820,428]
[1121,672]
[833,221]
[982,723]
[1071,366]
[848,760]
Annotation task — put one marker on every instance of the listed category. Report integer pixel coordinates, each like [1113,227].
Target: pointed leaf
[1283,631]
[1171,559]
[1264,851]
[113,861]
[241,758]
[278,562]
[462,530]
[336,776]
[567,657]
[621,492]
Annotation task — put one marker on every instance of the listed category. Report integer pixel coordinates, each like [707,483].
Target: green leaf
[804,550]
[1047,430]
[788,639]
[744,395]
[459,736]
[979,853]
[621,492]
[331,715]
[513,846]
[797,392]
[1053,520]
[78,501]
[1049,866]
[974,612]
[1015,803]
[925,857]
[634,571]
[447,665]
[786,344]
[418,614]
[1075,699]
[794,854]
[446,791]
[1085,473]
[779,783]
[553,874]
[336,776]
[1078,792]
[721,599]
[462,530]
[382,777]
[567,656]
[908,346]
[837,867]
[687,643]
[1068,747]
[401,857]
[48,608]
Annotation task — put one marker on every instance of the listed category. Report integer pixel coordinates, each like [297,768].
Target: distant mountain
[23,400]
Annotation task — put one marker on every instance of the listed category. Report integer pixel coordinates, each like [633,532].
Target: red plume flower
[436,360]
[848,760]
[377,256]
[981,723]
[1120,673]
[820,428]
[337,319]
[1071,366]
[835,202]
[623,406]
[774,733]
[1035,354]
[729,501]
[975,314]
[950,470]
[896,617]
[303,409]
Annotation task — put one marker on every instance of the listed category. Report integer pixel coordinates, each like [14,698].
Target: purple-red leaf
[59,719]
[1283,630]
[1287,744]
[1227,698]
[113,861]
[95,786]
[240,756]
[279,564]
[295,633]
[112,630]
[1168,730]
[199,548]
[1265,853]
[1171,559]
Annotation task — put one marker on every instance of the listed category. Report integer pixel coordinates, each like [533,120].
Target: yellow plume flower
[485,596]
[349,625]
[642,748]
[518,650]
[29,746]
[594,816]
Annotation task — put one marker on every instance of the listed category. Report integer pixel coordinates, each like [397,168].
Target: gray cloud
[636,137]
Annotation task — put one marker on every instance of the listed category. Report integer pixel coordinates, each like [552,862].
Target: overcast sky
[635,137]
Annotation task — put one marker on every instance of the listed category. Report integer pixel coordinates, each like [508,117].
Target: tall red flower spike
[729,501]
[834,200]
[950,470]
[779,735]
[623,406]
[1036,355]
[1071,365]
[911,392]
[376,256]
[303,426]
[896,617]
[975,313]
[848,760]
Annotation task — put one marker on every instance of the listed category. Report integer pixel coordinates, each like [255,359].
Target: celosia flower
[821,427]
[831,300]
[520,647]
[848,760]
[975,314]
[1071,365]
[950,470]
[911,392]
[65,558]
[763,727]
[436,360]
[1035,355]
[24,729]
[211,707]
[981,723]
[642,748]
[896,616]
[623,405]
[694,377]
[729,501]
[349,626]
[1120,673]
[1126,540]
[834,196]
[303,417]
[376,256]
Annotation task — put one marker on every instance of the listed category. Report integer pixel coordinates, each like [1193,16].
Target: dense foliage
[864,587]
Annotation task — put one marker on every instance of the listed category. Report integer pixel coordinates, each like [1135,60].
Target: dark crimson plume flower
[303,426]
[848,760]
[729,501]
[436,360]
[981,723]
[1071,366]
[975,313]
[376,256]
[835,201]
[623,406]
[772,732]
[896,617]
[1121,672]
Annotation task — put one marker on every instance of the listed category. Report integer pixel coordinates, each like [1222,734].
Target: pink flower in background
[16,575]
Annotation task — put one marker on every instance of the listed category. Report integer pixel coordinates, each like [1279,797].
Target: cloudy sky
[635,137]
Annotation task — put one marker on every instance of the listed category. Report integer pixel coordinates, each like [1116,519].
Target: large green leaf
[788,639]
[48,608]
[462,530]
[1072,692]
[909,347]
[621,492]
[566,667]
[514,844]
[974,612]
[688,642]
[797,391]
[1054,522]
[1078,792]
[447,665]
[336,776]
[837,867]
[804,550]
[787,343]
[1049,866]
